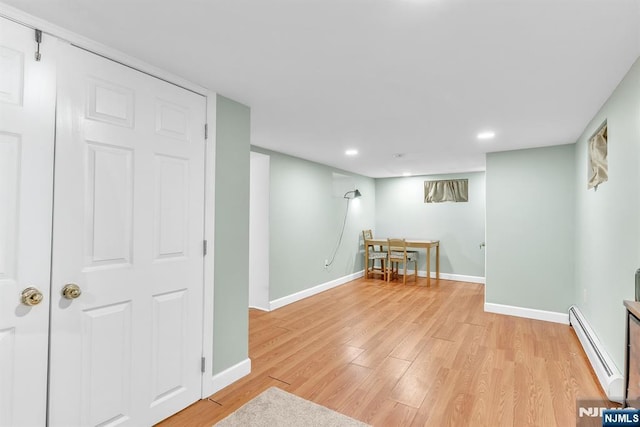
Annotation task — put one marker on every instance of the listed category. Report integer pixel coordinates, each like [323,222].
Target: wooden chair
[397,253]
[374,254]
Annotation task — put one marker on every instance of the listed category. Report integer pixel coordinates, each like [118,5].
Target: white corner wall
[259,232]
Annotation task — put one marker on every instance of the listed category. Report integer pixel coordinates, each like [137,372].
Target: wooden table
[411,243]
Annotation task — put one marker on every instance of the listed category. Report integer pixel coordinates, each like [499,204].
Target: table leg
[438,261]
[428,265]
[366,260]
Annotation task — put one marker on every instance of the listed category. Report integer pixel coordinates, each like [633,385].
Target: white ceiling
[416,77]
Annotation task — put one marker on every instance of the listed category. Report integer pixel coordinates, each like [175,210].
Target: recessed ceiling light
[406,174]
[486,135]
[351,152]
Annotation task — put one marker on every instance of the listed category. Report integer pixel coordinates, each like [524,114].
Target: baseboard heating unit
[608,374]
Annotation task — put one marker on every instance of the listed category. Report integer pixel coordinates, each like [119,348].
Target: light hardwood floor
[396,355]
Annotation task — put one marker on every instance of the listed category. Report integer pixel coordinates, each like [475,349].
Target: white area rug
[277,408]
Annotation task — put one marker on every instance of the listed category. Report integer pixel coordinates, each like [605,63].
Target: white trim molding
[227,377]
[281,302]
[529,313]
[449,276]
[209,236]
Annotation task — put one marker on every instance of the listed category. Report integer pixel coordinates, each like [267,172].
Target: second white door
[27,124]
[128,232]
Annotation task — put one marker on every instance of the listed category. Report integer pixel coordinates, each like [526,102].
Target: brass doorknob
[31,296]
[71,291]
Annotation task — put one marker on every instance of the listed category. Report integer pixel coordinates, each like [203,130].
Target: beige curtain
[450,190]
[598,165]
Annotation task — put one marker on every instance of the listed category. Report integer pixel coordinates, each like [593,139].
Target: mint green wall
[530,228]
[608,234]
[305,221]
[231,274]
[401,212]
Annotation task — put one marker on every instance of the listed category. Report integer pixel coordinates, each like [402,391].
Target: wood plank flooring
[396,355]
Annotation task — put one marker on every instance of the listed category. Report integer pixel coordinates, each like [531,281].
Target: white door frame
[210,382]
[209,235]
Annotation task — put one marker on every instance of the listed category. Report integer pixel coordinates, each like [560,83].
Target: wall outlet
[584,295]
[326,263]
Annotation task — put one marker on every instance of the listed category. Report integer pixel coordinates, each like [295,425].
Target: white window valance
[447,190]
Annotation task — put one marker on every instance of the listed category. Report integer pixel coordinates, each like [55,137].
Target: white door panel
[128,229]
[27,109]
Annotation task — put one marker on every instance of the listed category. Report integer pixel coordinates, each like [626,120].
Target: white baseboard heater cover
[608,374]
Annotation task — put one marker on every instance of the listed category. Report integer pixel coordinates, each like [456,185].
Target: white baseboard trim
[449,276]
[281,302]
[529,313]
[229,376]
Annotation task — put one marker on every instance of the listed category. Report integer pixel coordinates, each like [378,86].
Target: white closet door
[128,231]
[27,108]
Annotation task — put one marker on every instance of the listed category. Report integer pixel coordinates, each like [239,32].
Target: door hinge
[206,131]
[203,364]
[204,247]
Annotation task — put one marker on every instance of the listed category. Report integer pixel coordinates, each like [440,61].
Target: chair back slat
[397,253]
[368,234]
[374,254]
[397,248]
